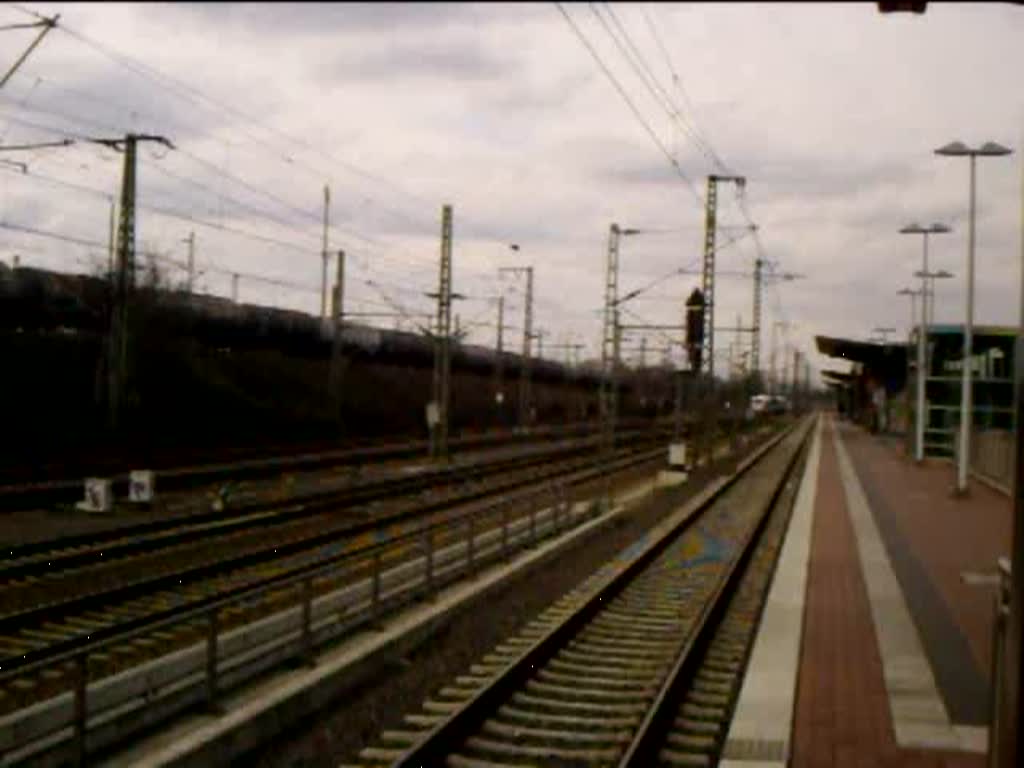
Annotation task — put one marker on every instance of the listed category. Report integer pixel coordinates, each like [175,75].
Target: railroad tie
[458,761]
[684,760]
[440,707]
[562,705]
[594,736]
[545,753]
[378,753]
[705,727]
[46,636]
[423,721]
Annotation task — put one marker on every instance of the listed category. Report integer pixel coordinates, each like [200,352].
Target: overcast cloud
[832,112]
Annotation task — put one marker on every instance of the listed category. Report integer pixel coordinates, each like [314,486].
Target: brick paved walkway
[947,536]
[842,711]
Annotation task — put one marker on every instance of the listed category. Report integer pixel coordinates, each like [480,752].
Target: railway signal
[902,7]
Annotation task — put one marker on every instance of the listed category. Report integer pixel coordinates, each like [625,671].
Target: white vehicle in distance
[767,404]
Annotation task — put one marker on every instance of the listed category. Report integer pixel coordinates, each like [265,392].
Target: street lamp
[922,335]
[883,332]
[933,229]
[913,303]
[929,281]
[913,315]
[958,149]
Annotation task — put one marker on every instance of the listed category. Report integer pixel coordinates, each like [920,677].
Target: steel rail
[15,620]
[650,736]
[73,648]
[191,476]
[432,749]
[43,557]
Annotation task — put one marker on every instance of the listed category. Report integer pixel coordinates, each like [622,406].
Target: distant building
[871,392]
[880,390]
[992,389]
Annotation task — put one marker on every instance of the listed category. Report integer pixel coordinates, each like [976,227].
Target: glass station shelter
[992,362]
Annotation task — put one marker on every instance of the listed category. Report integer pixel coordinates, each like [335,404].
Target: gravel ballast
[359,715]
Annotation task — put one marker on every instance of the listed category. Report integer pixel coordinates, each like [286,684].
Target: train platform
[875,643]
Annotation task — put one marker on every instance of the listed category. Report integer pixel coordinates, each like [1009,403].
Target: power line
[151,74]
[209,165]
[625,96]
[48,129]
[52,235]
[185,91]
[241,204]
[677,81]
[191,218]
[89,243]
[182,216]
[646,75]
[221,172]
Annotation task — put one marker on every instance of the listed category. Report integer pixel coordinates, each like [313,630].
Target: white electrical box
[98,497]
[433,414]
[141,485]
[677,455]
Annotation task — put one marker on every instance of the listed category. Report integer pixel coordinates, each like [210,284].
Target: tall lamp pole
[922,332]
[910,329]
[958,149]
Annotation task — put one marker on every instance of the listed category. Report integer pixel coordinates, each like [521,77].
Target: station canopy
[867,353]
[877,362]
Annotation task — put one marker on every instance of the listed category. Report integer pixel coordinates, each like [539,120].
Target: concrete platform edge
[763,718]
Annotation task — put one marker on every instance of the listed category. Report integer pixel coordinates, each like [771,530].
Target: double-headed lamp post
[913,303]
[922,333]
[958,149]
[910,328]
[883,334]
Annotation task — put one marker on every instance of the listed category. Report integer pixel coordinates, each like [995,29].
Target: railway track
[19,495]
[639,665]
[37,561]
[38,632]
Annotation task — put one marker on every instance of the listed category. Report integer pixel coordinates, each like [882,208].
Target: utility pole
[234,287]
[796,375]
[755,342]
[610,346]
[524,378]
[525,398]
[776,378]
[540,344]
[708,269]
[708,287]
[337,368]
[643,352]
[807,383]
[325,255]
[499,359]
[442,341]
[111,257]
[124,277]
[191,240]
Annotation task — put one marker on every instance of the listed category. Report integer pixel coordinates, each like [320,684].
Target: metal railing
[374,577]
[1001,615]
[992,455]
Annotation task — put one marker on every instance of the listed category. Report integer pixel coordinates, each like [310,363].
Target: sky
[830,111]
